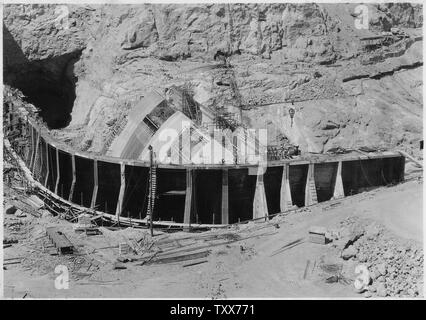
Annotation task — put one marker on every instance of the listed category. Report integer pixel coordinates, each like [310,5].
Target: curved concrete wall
[205,194]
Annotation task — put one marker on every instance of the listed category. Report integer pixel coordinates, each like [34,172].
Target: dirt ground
[254,266]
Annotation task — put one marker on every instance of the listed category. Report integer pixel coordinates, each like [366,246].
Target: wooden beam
[188,200]
[73,177]
[37,159]
[405,154]
[95,181]
[30,148]
[225,197]
[286,201]
[58,174]
[34,155]
[119,208]
[47,164]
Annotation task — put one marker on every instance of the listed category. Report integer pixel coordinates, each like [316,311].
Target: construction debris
[317,235]
[177,258]
[396,269]
[85,224]
[194,263]
[124,249]
[289,246]
[60,241]
[10,240]
[118,266]
[20,214]
[11,262]
[332,271]
[308,262]
[34,202]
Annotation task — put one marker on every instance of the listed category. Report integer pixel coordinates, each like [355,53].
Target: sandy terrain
[246,268]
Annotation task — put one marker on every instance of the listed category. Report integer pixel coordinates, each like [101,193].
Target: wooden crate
[317,238]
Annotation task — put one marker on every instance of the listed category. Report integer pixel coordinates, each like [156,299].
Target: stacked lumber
[170,258]
[59,240]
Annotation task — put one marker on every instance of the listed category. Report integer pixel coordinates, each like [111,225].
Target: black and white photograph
[212,151]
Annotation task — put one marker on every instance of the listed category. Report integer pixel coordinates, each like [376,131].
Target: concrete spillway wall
[201,194]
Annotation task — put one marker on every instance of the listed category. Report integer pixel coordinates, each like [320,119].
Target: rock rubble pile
[395,266]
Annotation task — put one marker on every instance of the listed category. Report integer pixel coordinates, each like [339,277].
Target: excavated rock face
[39,56]
[100,60]
[404,15]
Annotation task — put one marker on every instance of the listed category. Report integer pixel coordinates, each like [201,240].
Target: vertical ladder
[313,191]
[152,189]
[153,186]
[310,191]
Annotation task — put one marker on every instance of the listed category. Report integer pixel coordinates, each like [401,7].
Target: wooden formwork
[295,174]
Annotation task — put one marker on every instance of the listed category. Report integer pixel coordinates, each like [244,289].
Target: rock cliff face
[85,66]
[41,47]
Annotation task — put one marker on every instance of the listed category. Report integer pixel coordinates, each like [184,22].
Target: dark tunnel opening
[208,196]
[171,193]
[48,84]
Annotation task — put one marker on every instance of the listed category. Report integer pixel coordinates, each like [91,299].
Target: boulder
[381,268]
[349,252]
[388,255]
[381,290]
[362,257]
[352,237]
[374,275]
[372,232]
[339,244]
[372,288]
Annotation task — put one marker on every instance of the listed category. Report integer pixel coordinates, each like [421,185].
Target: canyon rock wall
[105,58]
